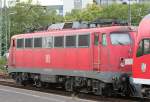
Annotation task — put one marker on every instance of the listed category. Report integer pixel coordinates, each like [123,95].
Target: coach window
[37,42]
[146,46]
[104,40]
[47,42]
[20,43]
[28,42]
[71,41]
[59,41]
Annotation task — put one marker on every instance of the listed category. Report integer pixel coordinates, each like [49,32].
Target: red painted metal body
[141,65]
[92,59]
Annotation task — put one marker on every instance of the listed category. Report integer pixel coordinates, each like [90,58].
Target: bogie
[70,84]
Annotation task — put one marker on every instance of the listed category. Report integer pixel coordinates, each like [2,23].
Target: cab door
[96,51]
[100,52]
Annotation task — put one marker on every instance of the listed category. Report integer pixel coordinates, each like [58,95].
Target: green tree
[73,16]
[91,12]
[120,11]
[114,11]
[86,14]
[30,16]
[138,12]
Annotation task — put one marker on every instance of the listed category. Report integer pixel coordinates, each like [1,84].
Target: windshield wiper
[120,43]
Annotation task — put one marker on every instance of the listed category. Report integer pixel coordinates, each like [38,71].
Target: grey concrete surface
[10,94]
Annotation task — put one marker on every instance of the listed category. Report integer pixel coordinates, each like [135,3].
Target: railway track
[60,91]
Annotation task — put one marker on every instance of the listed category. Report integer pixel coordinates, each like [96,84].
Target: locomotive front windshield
[120,38]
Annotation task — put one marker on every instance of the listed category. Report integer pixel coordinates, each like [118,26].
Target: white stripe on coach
[141,81]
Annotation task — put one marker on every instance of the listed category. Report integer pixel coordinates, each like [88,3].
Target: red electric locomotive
[141,65]
[94,60]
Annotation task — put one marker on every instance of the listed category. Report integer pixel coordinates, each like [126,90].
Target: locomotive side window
[71,41]
[84,40]
[48,42]
[104,40]
[28,42]
[144,48]
[37,42]
[120,38]
[59,41]
[20,43]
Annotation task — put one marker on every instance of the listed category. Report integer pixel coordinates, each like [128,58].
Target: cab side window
[96,39]
[104,40]
[144,47]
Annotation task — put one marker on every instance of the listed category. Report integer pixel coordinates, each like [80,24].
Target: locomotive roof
[76,31]
[143,30]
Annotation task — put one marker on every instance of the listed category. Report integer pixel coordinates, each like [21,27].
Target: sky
[42,2]
[48,2]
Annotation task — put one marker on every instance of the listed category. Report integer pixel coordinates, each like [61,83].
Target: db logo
[143,67]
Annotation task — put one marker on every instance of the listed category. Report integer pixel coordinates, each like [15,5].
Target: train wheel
[18,80]
[98,91]
[38,84]
[107,91]
[97,88]
[69,85]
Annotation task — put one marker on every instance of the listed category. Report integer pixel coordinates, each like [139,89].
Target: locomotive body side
[94,56]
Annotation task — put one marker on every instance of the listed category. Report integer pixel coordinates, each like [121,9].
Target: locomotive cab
[122,46]
[113,51]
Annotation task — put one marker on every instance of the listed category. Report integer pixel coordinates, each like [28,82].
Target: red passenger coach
[141,65]
[94,59]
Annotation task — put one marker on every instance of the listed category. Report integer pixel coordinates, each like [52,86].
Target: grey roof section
[57,26]
[87,24]
[68,25]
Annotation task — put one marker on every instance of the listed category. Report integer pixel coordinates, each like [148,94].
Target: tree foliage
[114,11]
[88,14]
[122,12]
[27,16]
